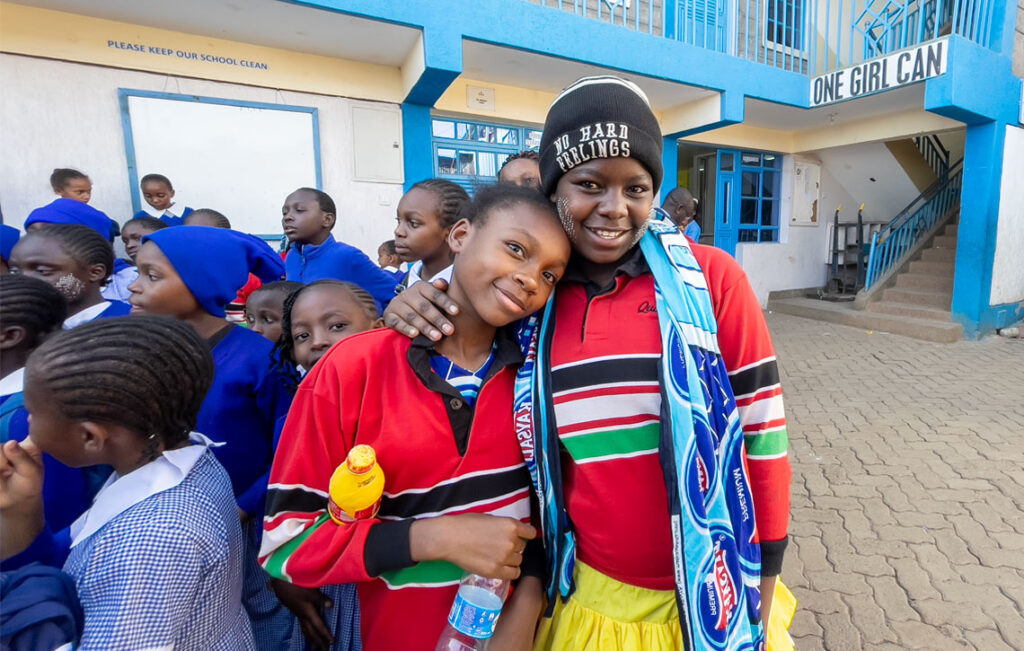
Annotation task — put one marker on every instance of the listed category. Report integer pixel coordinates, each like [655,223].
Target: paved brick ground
[908,489]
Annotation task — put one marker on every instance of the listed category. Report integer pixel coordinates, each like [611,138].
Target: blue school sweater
[170,220]
[335,260]
[242,409]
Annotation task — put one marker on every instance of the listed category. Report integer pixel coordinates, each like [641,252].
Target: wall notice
[891,71]
[188,55]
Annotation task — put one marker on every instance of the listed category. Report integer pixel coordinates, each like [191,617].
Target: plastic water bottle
[474,614]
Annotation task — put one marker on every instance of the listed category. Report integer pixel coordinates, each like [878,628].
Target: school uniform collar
[86,315]
[414,277]
[632,264]
[121,493]
[13,382]
[460,414]
[308,251]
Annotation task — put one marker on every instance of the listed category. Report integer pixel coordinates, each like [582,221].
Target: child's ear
[458,235]
[96,273]
[12,337]
[94,436]
[379,323]
[328,221]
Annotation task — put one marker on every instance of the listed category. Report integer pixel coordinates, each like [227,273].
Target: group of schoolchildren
[588,406]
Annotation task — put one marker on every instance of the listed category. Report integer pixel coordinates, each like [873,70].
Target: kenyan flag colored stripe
[276,561]
[424,575]
[613,442]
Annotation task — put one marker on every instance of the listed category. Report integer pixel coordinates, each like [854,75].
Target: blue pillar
[418,155]
[976,236]
[670,164]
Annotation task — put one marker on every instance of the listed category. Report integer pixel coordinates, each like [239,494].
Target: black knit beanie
[599,117]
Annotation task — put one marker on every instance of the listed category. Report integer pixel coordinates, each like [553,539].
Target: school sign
[891,71]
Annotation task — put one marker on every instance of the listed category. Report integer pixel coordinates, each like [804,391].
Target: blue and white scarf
[717,561]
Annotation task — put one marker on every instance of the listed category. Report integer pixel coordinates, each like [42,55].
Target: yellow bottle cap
[361,458]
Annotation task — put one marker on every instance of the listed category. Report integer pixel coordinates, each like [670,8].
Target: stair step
[910,310]
[912,280]
[938,255]
[950,229]
[933,268]
[944,242]
[845,314]
[940,300]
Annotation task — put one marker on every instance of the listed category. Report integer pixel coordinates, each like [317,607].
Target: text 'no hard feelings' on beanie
[599,117]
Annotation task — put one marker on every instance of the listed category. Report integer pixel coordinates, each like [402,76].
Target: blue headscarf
[69,211]
[8,238]
[214,263]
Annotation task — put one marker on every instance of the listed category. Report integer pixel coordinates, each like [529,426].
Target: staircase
[909,285]
[922,295]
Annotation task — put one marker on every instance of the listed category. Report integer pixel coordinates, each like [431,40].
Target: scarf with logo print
[716,554]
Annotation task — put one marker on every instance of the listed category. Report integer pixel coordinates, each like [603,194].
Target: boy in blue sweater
[308,216]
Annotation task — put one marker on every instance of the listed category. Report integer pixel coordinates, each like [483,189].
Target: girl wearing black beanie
[649,404]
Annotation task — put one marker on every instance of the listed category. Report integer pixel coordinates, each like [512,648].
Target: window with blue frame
[785,23]
[759,197]
[471,153]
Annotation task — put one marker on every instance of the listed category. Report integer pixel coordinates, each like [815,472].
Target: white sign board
[240,160]
[480,98]
[891,71]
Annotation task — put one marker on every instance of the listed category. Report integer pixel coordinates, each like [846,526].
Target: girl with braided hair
[157,559]
[31,310]
[426,214]
[315,317]
[76,260]
[192,273]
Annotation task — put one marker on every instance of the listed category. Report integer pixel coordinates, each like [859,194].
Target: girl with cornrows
[157,560]
[315,317]
[426,214]
[649,403]
[77,261]
[192,273]
[32,310]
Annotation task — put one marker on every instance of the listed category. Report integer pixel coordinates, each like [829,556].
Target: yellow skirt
[606,615]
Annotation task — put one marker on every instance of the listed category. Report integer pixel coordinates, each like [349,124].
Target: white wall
[1007,269]
[60,114]
[854,166]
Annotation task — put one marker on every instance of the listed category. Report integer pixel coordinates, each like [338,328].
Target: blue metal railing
[935,154]
[891,245]
[639,15]
[807,36]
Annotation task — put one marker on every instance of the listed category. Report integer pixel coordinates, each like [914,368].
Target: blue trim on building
[129,149]
[978,86]
[976,235]
[544,30]
[129,142]
[418,156]
[670,165]
[978,90]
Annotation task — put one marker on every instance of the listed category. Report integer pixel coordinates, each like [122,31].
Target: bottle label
[341,516]
[474,620]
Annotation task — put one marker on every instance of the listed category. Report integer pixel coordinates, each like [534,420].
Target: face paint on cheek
[70,287]
[564,216]
[638,235]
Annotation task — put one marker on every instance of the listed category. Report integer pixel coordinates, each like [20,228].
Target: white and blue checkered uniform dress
[167,572]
